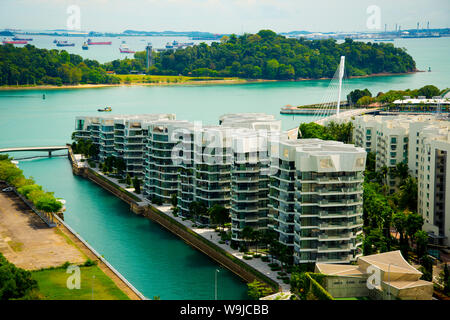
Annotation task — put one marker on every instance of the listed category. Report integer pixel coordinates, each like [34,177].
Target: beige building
[383,276]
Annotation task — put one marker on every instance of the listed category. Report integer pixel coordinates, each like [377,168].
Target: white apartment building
[316,198]
[433,179]
[425,139]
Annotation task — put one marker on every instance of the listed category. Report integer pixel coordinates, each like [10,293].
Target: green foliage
[15,283]
[174,201]
[137,185]
[426,268]
[89,263]
[29,65]
[357,94]
[428,91]
[258,290]
[332,131]
[44,201]
[219,215]
[157,200]
[446,279]
[270,56]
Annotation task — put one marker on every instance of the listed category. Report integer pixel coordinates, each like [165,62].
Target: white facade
[316,199]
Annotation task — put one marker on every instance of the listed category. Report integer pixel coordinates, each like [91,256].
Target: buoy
[43,96]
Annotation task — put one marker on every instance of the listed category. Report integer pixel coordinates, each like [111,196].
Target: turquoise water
[152,259]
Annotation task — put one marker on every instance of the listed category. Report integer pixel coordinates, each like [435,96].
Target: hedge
[243,265]
[316,288]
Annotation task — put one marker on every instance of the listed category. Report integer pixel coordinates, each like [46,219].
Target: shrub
[15,283]
[90,263]
[265,258]
[257,255]
[248,257]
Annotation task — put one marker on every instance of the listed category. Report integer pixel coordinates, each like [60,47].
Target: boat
[15,41]
[90,42]
[383,40]
[124,49]
[65,44]
[85,46]
[22,39]
[105,109]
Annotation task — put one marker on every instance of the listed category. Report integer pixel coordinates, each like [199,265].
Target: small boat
[124,49]
[65,44]
[85,46]
[429,69]
[105,109]
[23,39]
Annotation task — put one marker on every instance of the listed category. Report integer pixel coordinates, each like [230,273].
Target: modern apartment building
[423,143]
[316,198]
[308,191]
[433,181]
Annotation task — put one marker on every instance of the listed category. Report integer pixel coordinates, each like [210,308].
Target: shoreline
[200,82]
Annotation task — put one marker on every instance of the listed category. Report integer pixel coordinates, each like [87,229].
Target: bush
[257,255]
[248,257]
[15,283]
[265,258]
[90,263]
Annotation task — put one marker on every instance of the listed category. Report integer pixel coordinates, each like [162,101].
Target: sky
[223,16]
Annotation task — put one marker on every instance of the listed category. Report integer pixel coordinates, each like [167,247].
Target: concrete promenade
[208,234]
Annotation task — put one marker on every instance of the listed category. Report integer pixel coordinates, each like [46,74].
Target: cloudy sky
[223,16]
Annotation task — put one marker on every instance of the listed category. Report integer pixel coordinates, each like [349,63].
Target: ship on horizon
[90,42]
[125,49]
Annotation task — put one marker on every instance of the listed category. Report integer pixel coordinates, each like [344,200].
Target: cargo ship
[65,44]
[15,41]
[124,49]
[22,39]
[90,42]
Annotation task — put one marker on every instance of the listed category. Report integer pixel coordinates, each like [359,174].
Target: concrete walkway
[207,233]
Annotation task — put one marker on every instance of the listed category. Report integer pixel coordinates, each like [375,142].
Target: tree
[414,223]
[357,94]
[421,239]
[219,215]
[174,200]
[407,197]
[137,185]
[446,279]
[247,233]
[128,179]
[426,268]
[429,91]
[15,283]
[258,290]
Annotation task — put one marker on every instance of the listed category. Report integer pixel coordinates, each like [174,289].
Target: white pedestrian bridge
[34,149]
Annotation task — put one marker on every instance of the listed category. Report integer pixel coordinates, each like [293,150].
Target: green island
[264,56]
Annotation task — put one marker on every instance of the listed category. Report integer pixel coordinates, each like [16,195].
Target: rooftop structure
[383,276]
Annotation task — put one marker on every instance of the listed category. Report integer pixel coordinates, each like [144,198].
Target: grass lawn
[140,78]
[52,285]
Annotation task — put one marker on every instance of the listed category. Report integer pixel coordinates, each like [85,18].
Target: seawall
[235,265]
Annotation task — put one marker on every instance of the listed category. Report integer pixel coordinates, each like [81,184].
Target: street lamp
[389,281]
[215,284]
